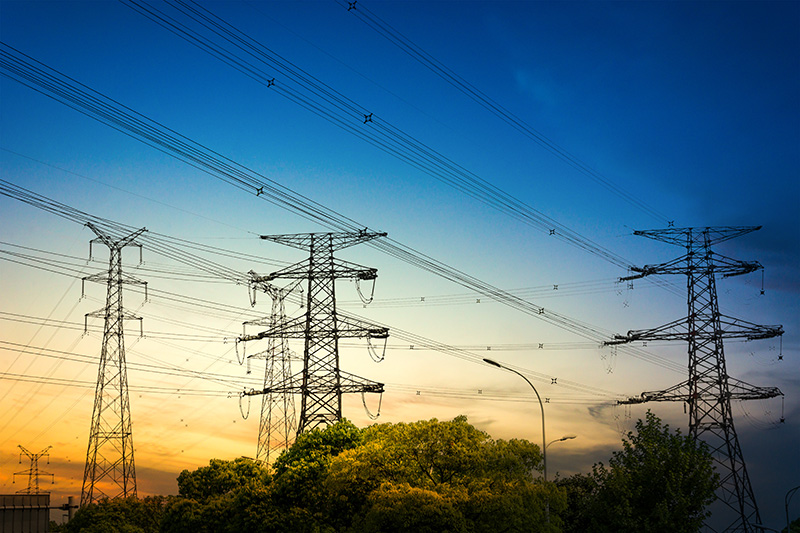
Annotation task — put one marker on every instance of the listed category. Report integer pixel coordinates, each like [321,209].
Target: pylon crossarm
[119,243]
[676,266]
[682,236]
[347,383]
[353,328]
[733,267]
[676,393]
[296,328]
[736,328]
[338,241]
[670,331]
[739,390]
[339,270]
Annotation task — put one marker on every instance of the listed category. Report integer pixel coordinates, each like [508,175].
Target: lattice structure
[33,472]
[321,382]
[709,390]
[277,422]
[110,470]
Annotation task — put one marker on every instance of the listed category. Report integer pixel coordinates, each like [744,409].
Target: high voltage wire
[321,99]
[427,60]
[55,85]
[580,288]
[153,270]
[14,191]
[133,365]
[66,382]
[419,341]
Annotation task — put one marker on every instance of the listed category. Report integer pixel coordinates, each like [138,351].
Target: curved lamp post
[541,406]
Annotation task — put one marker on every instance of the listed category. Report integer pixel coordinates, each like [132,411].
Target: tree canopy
[659,481]
[426,476]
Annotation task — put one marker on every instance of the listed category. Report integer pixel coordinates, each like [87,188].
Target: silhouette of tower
[33,472]
[321,383]
[277,422]
[709,390]
[110,470]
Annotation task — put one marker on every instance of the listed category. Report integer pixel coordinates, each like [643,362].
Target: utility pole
[33,472]
[277,422]
[321,382]
[110,471]
[709,390]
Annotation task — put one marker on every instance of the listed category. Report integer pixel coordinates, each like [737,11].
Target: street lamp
[541,406]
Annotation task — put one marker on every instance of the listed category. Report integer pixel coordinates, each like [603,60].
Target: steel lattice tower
[277,422]
[321,382]
[33,472]
[709,390]
[110,470]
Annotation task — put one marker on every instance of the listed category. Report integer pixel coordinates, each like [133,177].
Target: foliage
[221,477]
[397,508]
[426,476]
[300,471]
[580,489]
[121,515]
[793,526]
[660,481]
[440,476]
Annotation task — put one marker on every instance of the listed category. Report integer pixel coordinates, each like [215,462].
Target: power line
[427,60]
[225,42]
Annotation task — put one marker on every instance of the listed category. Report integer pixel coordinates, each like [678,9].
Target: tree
[794,527]
[581,490]
[221,477]
[121,515]
[429,473]
[398,508]
[299,471]
[660,481]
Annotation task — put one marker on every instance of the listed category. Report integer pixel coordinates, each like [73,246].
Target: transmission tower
[321,382]
[277,422]
[709,390]
[33,472]
[110,471]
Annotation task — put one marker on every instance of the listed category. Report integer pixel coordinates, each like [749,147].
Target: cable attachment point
[236,346]
[351,5]
[366,409]
[365,301]
[367,118]
[373,353]
[241,409]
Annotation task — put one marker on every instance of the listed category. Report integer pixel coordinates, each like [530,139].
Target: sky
[635,115]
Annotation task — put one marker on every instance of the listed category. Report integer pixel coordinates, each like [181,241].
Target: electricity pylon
[321,382]
[709,390]
[33,472]
[110,470]
[277,422]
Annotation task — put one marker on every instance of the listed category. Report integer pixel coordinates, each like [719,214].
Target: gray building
[24,513]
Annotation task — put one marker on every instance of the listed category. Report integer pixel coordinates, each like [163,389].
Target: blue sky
[691,108]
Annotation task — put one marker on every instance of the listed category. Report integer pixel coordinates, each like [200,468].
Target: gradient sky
[690,108]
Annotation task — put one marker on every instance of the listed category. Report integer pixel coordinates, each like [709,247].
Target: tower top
[690,236]
[336,241]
